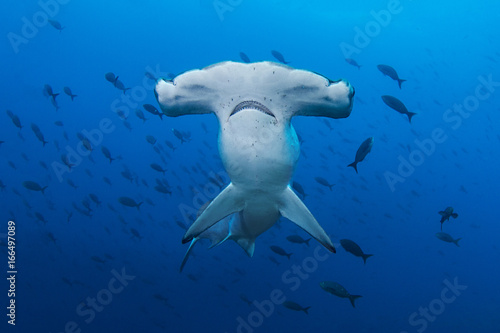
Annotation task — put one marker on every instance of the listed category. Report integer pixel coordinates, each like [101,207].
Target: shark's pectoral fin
[227,202]
[294,209]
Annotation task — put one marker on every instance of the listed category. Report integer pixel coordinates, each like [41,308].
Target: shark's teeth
[254,105]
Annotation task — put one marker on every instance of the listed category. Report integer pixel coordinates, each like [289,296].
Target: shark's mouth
[252,105]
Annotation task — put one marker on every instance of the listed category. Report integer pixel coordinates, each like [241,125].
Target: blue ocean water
[115,268]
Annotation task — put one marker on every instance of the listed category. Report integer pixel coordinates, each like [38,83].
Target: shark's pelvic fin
[227,202]
[294,209]
[247,244]
[238,234]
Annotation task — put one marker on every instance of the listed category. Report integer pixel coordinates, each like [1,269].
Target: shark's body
[254,104]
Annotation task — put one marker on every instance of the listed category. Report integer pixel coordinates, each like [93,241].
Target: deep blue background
[440,49]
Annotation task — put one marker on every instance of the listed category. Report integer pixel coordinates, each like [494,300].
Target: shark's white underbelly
[258,152]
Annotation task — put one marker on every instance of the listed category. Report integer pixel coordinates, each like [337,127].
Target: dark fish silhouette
[324,182]
[298,240]
[150,76]
[300,190]
[153,110]
[278,250]
[295,307]
[47,91]
[38,133]
[178,135]
[40,217]
[244,57]
[110,77]
[54,103]
[150,139]
[140,115]
[95,199]
[447,238]
[135,233]
[70,183]
[397,105]
[15,119]
[120,86]
[107,181]
[354,248]
[279,57]
[98,259]
[56,25]
[68,92]
[446,214]
[170,145]
[352,62]
[107,154]
[390,72]
[363,150]
[157,167]
[336,289]
[65,160]
[33,186]
[245,299]
[129,202]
